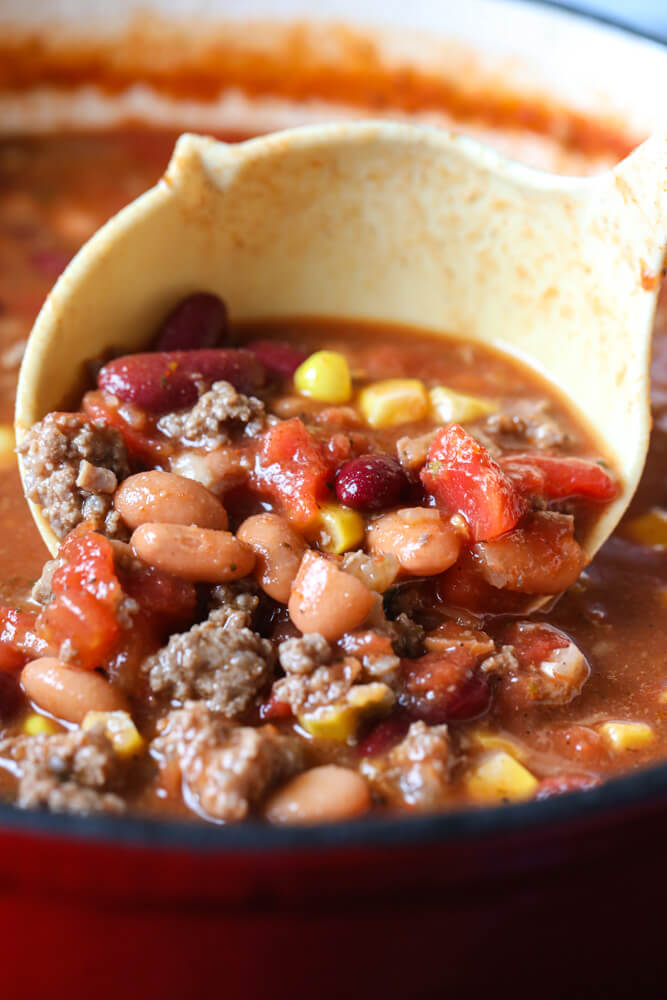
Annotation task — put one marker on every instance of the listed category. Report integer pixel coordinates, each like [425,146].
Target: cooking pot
[539,897]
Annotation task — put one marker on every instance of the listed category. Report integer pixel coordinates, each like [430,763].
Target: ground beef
[220,661]
[233,605]
[416,772]
[377,572]
[305,654]
[72,466]
[407,637]
[225,769]
[305,692]
[530,424]
[218,413]
[76,772]
[41,590]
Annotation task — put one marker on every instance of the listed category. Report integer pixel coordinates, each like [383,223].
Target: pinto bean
[541,556]
[422,542]
[322,795]
[68,692]
[278,552]
[165,498]
[326,599]
[193,553]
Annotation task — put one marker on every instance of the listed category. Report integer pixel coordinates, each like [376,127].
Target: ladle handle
[641,181]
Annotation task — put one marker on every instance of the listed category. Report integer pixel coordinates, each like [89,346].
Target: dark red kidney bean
[197,322]
[444,687]
[167,380]
[11,698]
[384,736]
[371,482]
[279,359]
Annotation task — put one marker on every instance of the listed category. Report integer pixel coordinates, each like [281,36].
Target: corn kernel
[324,376]
[620,736]
[649,528]
[448,406]
[394,401]
[34,724]
[497,776]
[340,528]
[7,445]
[341,720]
[119,728]
[484,739]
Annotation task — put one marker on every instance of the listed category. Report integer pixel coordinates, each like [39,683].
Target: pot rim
[479,823]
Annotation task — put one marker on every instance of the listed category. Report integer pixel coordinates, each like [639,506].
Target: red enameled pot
[562,897]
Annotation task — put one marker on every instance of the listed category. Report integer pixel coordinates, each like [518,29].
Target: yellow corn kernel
[119,728]
[497,776]
[340,528]
[394,401]
[34,724]
[620,736]
[7,445]
[484,739]
[324,376]
[649,528]
[341,720]
[448,406]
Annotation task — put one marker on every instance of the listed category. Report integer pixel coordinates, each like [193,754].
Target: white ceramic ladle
[387,222]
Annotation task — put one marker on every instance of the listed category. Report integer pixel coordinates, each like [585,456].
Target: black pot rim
[615,796]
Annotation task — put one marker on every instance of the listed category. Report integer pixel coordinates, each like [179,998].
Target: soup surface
[333,610]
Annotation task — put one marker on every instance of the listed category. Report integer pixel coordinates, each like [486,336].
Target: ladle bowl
[388,222]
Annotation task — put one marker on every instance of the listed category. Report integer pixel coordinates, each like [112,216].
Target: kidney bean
[68,692]
[327,600]
[167,380]
[384,736]
[165,498]
[199,321]
[561,783]
[193,553]
[371,482]
[322,795]
[10,696]
[279,359]
[444,687]
[278,549]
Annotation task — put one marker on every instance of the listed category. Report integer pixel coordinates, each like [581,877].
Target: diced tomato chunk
[556,478]
[464,479]
[86,599]
[15,626]
[275,709]
[292,469]
[143,444]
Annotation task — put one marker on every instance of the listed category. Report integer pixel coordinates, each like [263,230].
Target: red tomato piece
[15,626]
[464,479]
[275,709]
[556,478]
[292,469]
[86,598]
[143,444]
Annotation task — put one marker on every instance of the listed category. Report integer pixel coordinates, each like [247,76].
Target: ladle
[388,222]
